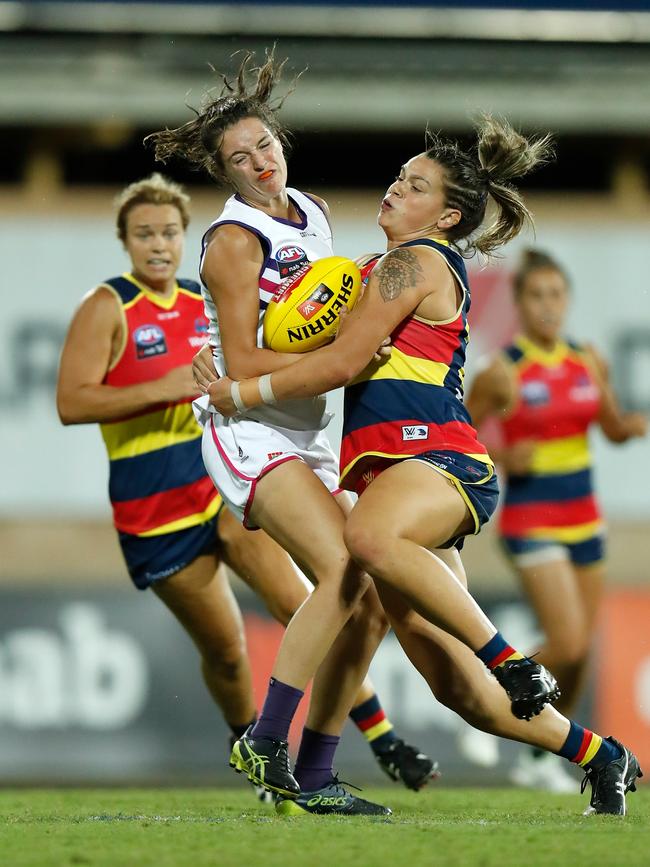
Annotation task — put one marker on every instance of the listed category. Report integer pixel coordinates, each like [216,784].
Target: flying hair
[472,177]
[249,94]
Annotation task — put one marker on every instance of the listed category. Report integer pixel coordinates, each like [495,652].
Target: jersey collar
[154,297]
[533,352]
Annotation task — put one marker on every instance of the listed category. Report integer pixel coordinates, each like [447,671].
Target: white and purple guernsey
[286,246]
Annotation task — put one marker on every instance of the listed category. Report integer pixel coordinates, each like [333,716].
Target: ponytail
[471,178]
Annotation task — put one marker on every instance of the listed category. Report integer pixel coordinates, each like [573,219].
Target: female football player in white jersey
[274,467]
[102,379]
[108,375]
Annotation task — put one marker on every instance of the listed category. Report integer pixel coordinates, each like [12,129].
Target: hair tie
[484,175]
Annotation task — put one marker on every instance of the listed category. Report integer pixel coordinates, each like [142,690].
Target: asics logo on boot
[326,802]
[255,763]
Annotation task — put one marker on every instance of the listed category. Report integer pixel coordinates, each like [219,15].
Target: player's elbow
[615,433]
[245,365]
[69,412]
[242,371]
[66,416]
[341,372]
[616,436]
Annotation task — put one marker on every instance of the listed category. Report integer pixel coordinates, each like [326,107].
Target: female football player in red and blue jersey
[547,393]
[409,450]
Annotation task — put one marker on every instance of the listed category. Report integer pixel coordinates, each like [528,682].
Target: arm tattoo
[399,270]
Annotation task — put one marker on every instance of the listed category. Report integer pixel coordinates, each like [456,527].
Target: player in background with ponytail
[547,392]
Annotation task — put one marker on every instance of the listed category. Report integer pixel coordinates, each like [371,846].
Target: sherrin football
[304,312]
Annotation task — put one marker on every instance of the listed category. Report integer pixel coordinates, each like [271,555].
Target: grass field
[226,827]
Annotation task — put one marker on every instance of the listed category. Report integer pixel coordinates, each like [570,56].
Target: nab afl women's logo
[149,340]
[289,259]
[535,393]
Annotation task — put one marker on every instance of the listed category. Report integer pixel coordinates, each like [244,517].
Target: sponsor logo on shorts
[368,477]
[272,455]
[149,341]
[414,432]
[289,259]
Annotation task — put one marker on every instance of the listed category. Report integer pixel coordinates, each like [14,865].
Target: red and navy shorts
[475,481]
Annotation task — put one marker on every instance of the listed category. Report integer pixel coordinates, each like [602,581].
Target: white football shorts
[237,453]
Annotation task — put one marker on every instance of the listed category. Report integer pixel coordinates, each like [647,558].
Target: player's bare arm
[231,271]
[398,271]
[362,332]
[93,343]
[618,426]
[492,392]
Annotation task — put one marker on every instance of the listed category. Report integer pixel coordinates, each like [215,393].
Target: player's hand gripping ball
[304,312]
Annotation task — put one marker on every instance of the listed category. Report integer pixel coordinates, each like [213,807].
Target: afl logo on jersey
[535,393]
[149,341]
[201,325]
[289,259]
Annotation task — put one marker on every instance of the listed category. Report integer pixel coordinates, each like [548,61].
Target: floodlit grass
[227,827]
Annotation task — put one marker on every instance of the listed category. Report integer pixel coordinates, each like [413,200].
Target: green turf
[226,827]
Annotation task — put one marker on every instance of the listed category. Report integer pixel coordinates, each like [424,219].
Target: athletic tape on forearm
[266,392]
[236,396]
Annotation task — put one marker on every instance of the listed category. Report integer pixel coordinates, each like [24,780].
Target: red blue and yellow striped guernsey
[412,402]
[158,483]
[557,401]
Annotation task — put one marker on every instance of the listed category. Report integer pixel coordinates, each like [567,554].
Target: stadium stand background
[94,678]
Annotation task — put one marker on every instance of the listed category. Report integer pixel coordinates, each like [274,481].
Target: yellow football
[304,311]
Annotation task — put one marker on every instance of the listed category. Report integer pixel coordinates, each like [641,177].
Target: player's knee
[225,659]
[282,609]
[370,617]
[367,547]
[337,573]
[467,704]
